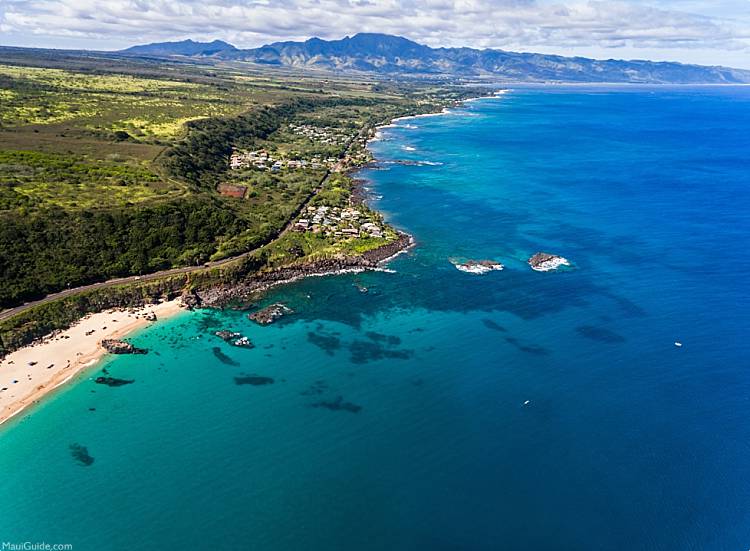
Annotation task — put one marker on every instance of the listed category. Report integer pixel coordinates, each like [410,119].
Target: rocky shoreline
[222,296]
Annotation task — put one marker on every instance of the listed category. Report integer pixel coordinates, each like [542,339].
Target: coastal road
[9,313]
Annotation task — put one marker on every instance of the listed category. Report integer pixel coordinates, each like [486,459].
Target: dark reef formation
[113,381]
[338,405]
[223,358]
[489,324]
[81,455]
[254,380]
[600,334]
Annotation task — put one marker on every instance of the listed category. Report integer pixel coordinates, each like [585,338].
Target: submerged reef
[600,334]
[338,405]
[329,343]
[489,324]
[113,381]
[81,455]
[254,380]
[223,358]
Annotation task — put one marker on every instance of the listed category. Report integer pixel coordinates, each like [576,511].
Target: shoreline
[393,123]
[33,372]
[45,366]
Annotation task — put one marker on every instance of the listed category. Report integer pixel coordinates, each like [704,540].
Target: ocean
[442,409]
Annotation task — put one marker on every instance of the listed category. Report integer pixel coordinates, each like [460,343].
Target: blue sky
[694,31]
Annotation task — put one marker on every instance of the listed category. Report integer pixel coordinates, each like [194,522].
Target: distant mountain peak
[398,56]
[186,47]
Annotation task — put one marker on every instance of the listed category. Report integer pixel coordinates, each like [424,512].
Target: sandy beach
[30,373]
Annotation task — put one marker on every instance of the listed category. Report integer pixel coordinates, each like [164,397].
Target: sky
[709,32]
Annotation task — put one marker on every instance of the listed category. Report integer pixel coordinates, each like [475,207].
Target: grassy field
[148,108]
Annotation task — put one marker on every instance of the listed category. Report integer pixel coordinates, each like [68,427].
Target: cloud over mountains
[541,25]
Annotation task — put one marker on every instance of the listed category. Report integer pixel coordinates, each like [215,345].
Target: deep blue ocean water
[398,418]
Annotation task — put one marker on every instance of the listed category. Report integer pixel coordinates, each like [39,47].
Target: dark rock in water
[477,266]
[338,405]
[81,455]
[223,358]
[234,338]
[270,314]
[227,336]
[243,342]
[494,326]
[361,288]
[254,380]
[600,334]
[545,262]
[113,381]
[117,346]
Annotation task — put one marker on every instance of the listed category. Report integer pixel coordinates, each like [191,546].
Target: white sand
[59,358]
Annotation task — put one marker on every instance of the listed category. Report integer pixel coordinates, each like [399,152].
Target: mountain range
[399,57]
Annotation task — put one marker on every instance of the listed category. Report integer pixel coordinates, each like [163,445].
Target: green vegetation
[36,178]
[144,107]
[117,168]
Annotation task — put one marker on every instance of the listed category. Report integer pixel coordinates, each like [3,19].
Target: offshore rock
[545,262]
[270,314]
[477,266]
[227,336]
[116,346]
[243,342]
[234,338]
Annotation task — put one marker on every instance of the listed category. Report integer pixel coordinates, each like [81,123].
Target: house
[303,224]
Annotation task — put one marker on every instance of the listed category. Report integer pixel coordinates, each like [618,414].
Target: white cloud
[543,25]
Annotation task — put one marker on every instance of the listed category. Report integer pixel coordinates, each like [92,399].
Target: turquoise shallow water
[397,418]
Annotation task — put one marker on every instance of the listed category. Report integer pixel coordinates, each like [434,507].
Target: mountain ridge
[184,47]
[398,56]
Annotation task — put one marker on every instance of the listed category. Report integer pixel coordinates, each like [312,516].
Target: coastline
[31,373]
[59,357]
